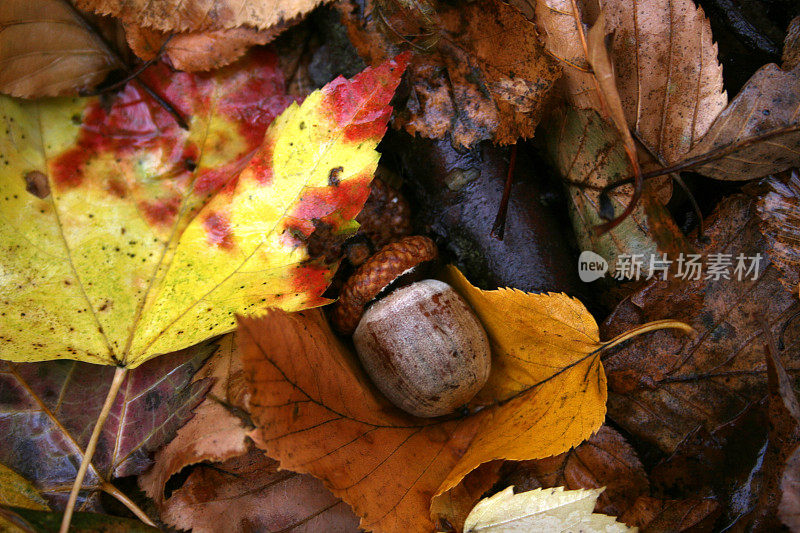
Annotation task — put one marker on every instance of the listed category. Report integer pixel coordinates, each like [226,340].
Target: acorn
[421,344]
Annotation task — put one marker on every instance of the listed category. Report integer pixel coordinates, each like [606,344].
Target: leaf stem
[116,383]
[646,328]
[127,502]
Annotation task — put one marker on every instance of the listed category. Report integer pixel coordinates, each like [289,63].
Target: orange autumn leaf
[316,411]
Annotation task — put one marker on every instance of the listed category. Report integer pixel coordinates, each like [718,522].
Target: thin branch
[127,502]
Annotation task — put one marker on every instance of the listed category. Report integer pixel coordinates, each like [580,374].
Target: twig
[116,383]
[121,62]
[499,227]
[707,157]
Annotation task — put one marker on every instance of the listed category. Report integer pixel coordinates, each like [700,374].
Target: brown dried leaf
[47,49]
[605,460]
[249,493]
[215,433]
[653,514]
[789,508]
[470,83]
[665,66]
[332,423]
[667,72]
[791,46]
[770,101]
[672,384]
[181,16]
[779,211]
[200,51]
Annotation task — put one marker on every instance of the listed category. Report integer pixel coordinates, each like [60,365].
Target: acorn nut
[421,344]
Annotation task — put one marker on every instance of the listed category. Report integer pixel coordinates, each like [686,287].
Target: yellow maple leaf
[124,237]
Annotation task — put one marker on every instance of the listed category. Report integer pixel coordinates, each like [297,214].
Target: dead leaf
[215,432]
[546,381]
[769,102]
[469,82]
[789,507]
[250,493]
[553,509]
[178,16]
[199,51]
[16,491]
[605,460]
[20,520]
[779,211]
[48,410]
[791,46]
[332,423]
[667,72]
[654,514]
[675,383]
[589,154]
[47,49]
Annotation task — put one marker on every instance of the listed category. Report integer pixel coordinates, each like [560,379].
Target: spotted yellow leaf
[123,237]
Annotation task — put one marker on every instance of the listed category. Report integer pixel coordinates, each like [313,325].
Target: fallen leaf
[332,423]
[48,410]
[250,493]
[48,49]
[199,51]
[769,102]
[470,83]
[675,384]
[553,509]
[28,520]
[589,154]
[215,432]
[177,16]
[789,507]
[140,255]
[546,381]
[667,72]
[605,460]
[791,46]
[779,212]
[654,514]
[16,491]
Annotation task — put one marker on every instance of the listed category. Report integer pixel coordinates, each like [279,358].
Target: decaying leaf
[663,389]
[249,493]
[546,394]
[48,410]
[16,491]
[779,211]
[48,49]
[468,81]
[789,508]
[553,509]
[152,237]
[200,15]
[21,520]
[667,72]
[215,432]
[769,102]
[654,514]
[791,46]
[199,51]
[665,66]
[589,154]
[605,460]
